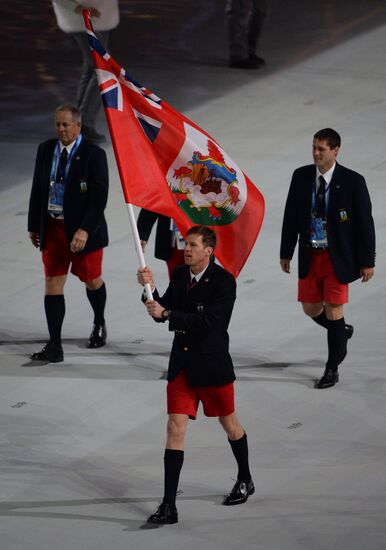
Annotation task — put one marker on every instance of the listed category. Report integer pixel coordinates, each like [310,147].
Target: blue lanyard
[55,160]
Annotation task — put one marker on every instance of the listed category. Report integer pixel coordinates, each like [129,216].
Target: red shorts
[183,398]
[321,284]
[57,255]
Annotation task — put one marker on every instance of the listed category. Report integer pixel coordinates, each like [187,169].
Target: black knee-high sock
[55,308]
[336,339]
[173,460]
[240,451]
[97,299]
[321,319]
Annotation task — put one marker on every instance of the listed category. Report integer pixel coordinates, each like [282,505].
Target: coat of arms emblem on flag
[208,186]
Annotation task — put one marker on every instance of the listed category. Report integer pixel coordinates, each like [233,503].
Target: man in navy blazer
[198,306]
[66,221]
[328,212]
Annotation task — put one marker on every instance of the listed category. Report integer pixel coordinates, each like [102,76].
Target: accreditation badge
[55,199]
[318,232]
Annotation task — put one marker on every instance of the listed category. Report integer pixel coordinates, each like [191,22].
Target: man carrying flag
[170,166]
[198,306]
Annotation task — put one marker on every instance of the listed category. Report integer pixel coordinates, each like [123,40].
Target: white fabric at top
[69,21]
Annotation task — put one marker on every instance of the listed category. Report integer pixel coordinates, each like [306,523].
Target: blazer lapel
[75,161]
[334,187]
[199,288]
[47,165]
[309,186]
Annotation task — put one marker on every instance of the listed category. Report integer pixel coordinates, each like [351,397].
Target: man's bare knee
[334,312]
[232,426]
[94,284]
[176,429]
[55,285]
[311,309]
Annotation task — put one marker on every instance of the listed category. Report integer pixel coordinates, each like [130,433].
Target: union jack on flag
[171,166]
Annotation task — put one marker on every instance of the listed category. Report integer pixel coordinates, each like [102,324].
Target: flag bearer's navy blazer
[200,319]
[85,194]
[350,226]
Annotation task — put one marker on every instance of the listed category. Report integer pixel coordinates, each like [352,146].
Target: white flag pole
[138,247]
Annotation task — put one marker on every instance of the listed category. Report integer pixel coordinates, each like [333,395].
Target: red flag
[169,165]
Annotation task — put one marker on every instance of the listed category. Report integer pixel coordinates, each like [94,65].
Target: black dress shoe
[165,514]
[257,59]
[239,493]
[97,337]
[329,379]
[247,63]
[51,353]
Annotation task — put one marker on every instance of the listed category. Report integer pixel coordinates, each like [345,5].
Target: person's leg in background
[88,97]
